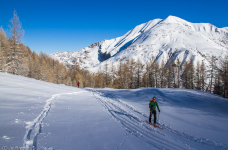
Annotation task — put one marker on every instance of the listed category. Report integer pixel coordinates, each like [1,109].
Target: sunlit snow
[40,115]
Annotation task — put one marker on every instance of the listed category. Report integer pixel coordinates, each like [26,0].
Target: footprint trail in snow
[33,128]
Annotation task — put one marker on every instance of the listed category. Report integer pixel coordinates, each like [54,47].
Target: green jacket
[153,105]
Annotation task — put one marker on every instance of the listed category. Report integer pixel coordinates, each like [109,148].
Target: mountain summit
[164,39]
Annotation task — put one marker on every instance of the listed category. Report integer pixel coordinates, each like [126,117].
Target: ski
[156,126]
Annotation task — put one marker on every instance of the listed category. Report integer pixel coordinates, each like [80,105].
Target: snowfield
[166,40]
[40,115]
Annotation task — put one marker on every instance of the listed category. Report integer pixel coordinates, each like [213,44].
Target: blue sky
[69,25]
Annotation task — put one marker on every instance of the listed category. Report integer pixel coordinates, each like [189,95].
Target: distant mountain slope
[166,40]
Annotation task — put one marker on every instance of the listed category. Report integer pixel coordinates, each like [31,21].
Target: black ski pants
[155,116]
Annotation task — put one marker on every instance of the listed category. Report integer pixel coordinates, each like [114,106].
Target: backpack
[150,102]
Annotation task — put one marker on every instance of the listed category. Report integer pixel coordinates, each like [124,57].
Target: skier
[152,105]
[78,84]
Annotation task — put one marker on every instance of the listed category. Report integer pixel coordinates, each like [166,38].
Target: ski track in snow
[129,118]
[33,128]
[126,115]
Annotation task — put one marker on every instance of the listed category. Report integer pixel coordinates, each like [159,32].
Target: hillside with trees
[18,59]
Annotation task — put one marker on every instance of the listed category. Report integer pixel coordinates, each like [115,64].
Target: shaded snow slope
[48,116]
[166,40]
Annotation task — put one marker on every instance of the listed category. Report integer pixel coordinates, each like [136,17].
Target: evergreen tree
[178,65]
[139,68]
[99,80]
[149,75]
[162,71]
[16,34]
[174,74]
[68,81]
[106,74]
[126,76]
[218,85]
[4,50]
[132,71]
[145,76]
[112,76]
[212,72]
[192,75]
[185,75]
[198,79]
[35,68]
[118,83]
[170,76]
[203,75]
[224,77]
[57,72]
[119,75]
[157,72]
[44,71]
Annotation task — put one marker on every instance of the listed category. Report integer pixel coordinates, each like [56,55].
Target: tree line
[16,58]
[133,74]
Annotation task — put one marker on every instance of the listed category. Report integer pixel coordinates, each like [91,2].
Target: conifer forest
[18,59]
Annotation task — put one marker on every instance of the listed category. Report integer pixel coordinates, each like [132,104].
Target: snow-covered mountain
[37,115]
[165,39]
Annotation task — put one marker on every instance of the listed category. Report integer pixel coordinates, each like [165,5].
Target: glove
[159,110]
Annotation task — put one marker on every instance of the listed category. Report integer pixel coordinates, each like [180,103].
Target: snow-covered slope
[166,40]
[48,116]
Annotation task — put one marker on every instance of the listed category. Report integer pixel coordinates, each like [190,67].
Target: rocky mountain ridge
[164,39]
